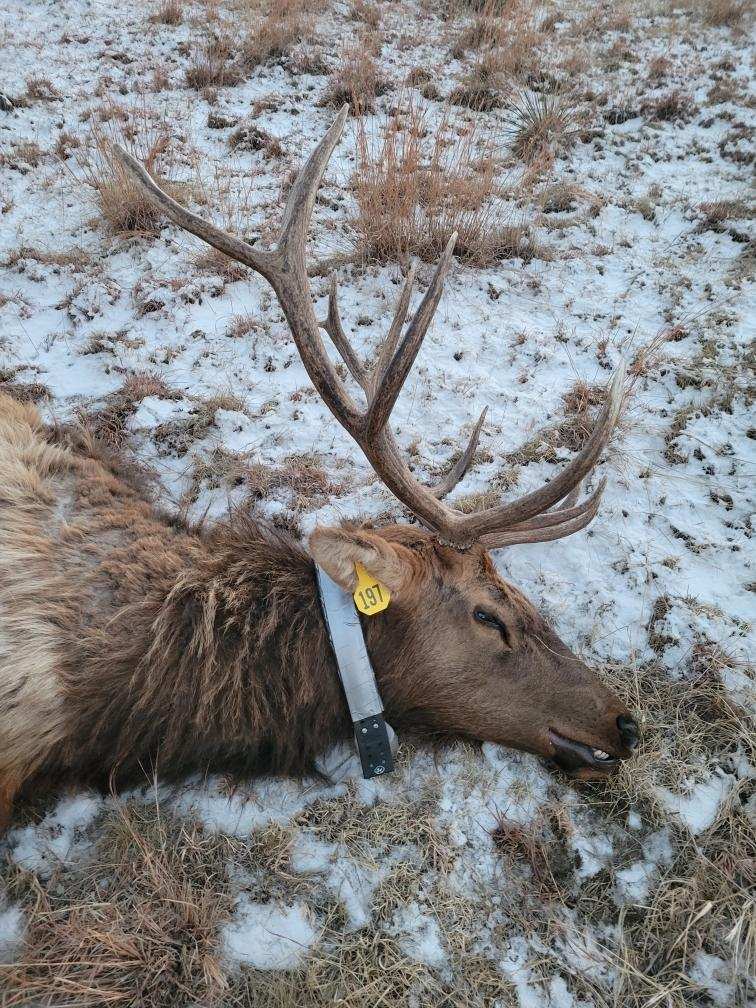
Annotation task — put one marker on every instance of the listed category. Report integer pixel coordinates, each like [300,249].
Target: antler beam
[285,268]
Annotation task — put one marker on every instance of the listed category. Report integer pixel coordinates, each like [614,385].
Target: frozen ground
[426,869]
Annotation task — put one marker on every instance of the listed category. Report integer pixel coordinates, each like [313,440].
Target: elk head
[459,651]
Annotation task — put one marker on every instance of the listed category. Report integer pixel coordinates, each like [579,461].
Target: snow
[422,940]
[699,809]
[269,937]
[11,932]
[58,837]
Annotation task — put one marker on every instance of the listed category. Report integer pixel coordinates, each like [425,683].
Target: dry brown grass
[137,918]
[726,13]
[273,29]
[41,89]
[504,41]
[674,106]
[108,424]
[248,137]
[702,903]
[145,136]
[169,12]
[414,187]
[688,725]
[538,853]
[75,258]
[723,210]
[357,80]
[367,12]
[213,66]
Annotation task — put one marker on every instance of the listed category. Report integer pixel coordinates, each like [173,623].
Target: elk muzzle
[585,761]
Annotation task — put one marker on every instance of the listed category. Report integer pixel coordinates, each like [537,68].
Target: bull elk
[129,639]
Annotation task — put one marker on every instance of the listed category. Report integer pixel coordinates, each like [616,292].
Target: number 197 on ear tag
[370,595]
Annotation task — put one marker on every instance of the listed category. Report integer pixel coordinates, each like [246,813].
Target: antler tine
[387,392]
[334,328]
[488,522]
[257,259]
[388,349]
[298,210]
[284,268]
[462,464]
[571,499]
[553,525]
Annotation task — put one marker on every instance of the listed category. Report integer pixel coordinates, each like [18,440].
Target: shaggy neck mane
[225,667]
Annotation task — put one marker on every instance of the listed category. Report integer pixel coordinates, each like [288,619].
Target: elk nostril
[628,729]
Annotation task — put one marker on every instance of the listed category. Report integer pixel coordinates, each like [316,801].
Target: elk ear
[337,550]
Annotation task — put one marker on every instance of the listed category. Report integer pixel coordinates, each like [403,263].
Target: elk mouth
[581,760]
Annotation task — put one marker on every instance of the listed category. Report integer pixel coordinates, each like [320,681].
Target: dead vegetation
[414,187]
[213,66]
[690,724]
[271,30]
[357,81]
[501,42]
[726,13]
[169,12]
[702,905]
[540,126]
[144,909]
[140,913]
[144,135]
[108,424]
[538,854]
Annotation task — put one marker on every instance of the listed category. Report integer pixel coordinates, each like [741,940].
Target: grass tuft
[414,189]
[539,125]
[121,205]
[357,81]
[271,33]
[170,12]
[212,67]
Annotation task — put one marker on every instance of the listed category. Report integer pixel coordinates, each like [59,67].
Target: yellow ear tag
[370,596]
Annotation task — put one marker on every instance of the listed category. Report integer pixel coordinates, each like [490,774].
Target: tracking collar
[374,738]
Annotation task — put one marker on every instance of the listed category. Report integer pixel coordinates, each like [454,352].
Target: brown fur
[130,641]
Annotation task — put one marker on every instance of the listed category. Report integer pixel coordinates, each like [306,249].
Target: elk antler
[284,267]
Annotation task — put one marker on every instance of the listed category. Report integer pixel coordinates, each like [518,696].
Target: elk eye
[483,617]
[493,621]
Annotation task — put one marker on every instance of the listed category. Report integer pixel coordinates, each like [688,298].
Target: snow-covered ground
[660,590]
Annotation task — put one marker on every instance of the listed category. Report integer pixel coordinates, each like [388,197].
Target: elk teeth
[600,754]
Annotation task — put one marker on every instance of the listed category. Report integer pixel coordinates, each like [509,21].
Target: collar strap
[374,738]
